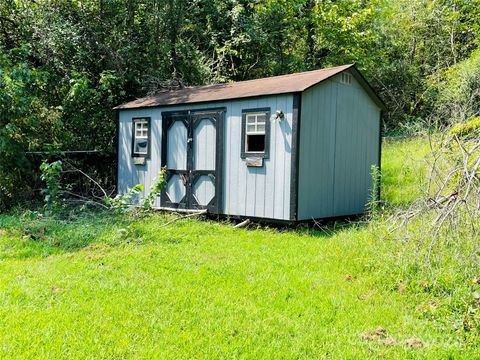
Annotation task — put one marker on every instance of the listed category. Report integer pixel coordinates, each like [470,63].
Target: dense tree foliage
[64,64]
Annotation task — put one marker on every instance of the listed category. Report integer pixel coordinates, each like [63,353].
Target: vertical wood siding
[177,142]
[317,148]
[338,145]
[247,191]
[204,150]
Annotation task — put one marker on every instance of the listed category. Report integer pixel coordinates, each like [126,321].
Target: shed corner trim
[295,155]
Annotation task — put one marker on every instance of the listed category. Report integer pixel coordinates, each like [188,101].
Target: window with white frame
[345,78]
[141,136]
[256,132]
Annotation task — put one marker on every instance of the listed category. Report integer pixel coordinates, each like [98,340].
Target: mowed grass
[102,286]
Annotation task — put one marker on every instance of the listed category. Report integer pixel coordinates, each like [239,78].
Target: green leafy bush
[51,173]
[155,189]
[455,93]
[130,200]
[124,202]
[470,128]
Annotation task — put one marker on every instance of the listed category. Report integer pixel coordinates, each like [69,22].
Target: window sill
[139,160]
[259,155]
[254,161]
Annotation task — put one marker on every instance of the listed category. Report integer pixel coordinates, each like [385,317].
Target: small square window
[255,133]
[346,78]
[141,137]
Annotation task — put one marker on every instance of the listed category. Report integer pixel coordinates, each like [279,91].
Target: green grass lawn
[103,286]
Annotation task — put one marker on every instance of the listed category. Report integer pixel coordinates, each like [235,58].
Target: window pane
[141,146]
[261,127]
[250,128]
[255,143]
[141,129]
[261,118]
[141,124]
[251,119]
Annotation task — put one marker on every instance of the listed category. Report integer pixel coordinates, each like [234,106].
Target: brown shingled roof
[283,84]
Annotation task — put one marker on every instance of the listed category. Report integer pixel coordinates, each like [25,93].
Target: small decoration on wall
[279,115]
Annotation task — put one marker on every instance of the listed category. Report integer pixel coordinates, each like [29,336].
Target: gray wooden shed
[289,148]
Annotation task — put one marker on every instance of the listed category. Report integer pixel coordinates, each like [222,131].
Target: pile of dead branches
[450,204]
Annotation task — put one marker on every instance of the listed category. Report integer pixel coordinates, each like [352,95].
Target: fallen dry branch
[452,195]
[243,223]
[200,212]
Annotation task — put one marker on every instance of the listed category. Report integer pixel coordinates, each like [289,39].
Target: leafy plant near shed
[124,202]
[158,184]
[55,194]
[51,173]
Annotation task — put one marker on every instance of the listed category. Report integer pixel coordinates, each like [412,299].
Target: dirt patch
[414,343]
[429,307]
[380,336]
[56,289]
[90,247]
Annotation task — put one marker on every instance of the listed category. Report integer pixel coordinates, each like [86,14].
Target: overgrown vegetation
[57,197]
[51,173]
[65,64]
[402,282]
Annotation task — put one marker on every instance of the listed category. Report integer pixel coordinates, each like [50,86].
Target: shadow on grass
[29,234]
[328,228]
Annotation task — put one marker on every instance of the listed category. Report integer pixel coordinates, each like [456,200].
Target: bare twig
[243,224]
[452,195]
[201,212]
[89,178]
[84,199]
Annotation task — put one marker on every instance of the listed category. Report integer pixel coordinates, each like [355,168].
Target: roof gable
[283,84]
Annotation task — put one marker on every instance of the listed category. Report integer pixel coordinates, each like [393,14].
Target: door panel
[176,190]
[174,155]
[192,150]
[177,141]
[205,175]
[204,190]
[204,141]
